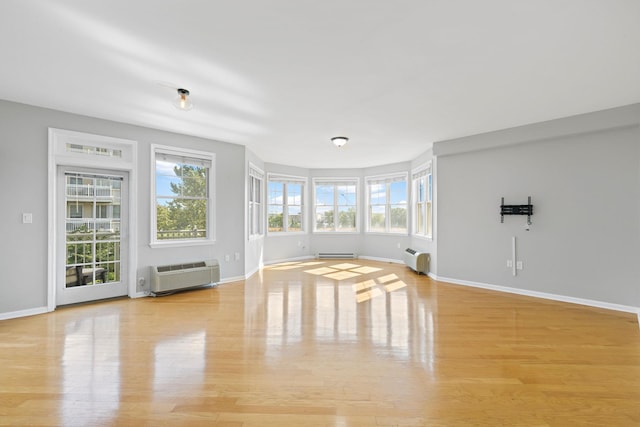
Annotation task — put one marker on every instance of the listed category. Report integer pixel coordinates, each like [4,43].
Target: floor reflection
[91,368]
[344,302]
[179,364]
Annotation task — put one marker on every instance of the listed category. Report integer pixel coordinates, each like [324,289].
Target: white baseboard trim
[230,279]
[278,261]
[23,313]
[544,295]
[252,272]
[140,294]
[373,258]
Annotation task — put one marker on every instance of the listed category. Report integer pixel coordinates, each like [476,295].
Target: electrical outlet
[227,258]
[27,218]
[519,265]
[509,263]
[237,256]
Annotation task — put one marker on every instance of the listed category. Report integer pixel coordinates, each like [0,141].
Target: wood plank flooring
[323,343]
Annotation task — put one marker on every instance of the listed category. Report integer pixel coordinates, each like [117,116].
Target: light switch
[27,218]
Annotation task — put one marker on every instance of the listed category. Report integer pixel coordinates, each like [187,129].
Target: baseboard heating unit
[417,261]
[339,255]
[171,278]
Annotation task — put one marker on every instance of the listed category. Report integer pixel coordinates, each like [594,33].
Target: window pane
[346,219]
[324,195]
[377,194]
[324,218]
[398,221]
[276,191]
[294,218]
[181,219]
[398,192]
[275,218]
[421,220]
[181,199]
[294,194]
[377,218]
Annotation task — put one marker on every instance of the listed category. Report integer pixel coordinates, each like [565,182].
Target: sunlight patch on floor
[395,286]
[321,271]
[364,290]
[342,275]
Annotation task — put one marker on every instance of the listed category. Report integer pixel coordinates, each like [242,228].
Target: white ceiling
[284,76]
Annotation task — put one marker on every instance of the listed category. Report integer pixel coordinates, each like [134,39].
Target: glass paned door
[92,206]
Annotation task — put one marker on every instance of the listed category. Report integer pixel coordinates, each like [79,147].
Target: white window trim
[422,170]
[177,151]
[278,177]
[336,181]
[257,173]
[387,179]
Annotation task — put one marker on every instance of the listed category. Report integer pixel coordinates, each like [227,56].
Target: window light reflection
[364,306]
[91,368]
[179,363]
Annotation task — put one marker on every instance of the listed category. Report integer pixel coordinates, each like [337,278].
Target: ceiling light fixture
[182,101]
[339,141]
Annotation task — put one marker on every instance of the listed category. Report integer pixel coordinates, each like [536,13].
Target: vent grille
[338,255]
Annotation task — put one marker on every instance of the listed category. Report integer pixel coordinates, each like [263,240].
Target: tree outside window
[285,204]
[387,204]
[333,197]
[182,197]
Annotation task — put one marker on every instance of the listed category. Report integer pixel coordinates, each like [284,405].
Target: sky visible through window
[165,176]
[398,194]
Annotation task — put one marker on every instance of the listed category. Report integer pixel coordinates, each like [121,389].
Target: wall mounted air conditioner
[168,278]
[417,261]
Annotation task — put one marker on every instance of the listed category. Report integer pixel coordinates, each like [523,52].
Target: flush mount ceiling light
[339,141]
[182,101]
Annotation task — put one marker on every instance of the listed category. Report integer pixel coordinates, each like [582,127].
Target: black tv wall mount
[516,210]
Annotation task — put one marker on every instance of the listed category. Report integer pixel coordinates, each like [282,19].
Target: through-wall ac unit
[417,261]
[167,278]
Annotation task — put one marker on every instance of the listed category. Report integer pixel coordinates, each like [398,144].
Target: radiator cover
[175,277]
[417,261]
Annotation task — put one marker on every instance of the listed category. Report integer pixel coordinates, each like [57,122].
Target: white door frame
[69,148]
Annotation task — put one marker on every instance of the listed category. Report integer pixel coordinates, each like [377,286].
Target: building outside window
[285,204]
[387,204]
[336,205]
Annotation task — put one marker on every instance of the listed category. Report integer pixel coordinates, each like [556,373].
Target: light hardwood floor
[323,343]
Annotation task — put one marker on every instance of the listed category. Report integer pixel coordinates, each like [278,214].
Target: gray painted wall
[585,184]
[23,165]
[583,173]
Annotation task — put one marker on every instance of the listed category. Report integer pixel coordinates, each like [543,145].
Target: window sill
[382,233]
[285,233]
[423,237]
[181,243]
[338,233]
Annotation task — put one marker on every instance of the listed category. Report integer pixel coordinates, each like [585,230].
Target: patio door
[92,225]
